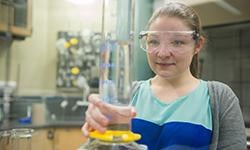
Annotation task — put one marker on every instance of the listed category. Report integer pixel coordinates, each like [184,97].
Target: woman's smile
[165,64]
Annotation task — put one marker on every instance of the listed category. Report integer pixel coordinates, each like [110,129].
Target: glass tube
[116,57]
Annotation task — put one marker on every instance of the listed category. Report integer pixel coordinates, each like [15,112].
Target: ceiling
[217,12]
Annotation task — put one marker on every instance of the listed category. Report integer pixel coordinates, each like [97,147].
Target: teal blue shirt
[185,123]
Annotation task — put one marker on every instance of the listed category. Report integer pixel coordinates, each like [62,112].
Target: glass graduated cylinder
[115,78]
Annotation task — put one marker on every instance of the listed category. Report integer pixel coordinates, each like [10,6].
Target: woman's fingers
[86,129]
[116,114]
[99,114]
[110,109]
[133,112]
[95,113]
[125,111]
[94,99]
[99,117]
[93,121]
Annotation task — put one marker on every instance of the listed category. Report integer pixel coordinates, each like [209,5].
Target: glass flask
[16,139]
[115,78]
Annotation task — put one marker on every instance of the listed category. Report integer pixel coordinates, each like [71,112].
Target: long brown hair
[189,15]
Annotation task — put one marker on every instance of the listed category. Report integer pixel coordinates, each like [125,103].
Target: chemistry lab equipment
[115,76]
[16,139]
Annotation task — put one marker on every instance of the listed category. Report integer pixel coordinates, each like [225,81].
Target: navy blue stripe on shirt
[172,135]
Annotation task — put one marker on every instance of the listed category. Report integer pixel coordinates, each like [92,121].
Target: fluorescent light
[228,7]
[191,2]
[81,2]
[222,3]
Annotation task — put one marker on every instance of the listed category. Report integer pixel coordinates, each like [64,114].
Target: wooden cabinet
[68,138]
[57,139]
[43,139]
[15,17]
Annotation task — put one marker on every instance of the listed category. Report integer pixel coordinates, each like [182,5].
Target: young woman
[175,109]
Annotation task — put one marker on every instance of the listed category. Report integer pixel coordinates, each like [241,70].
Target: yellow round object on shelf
[74,41]
[115,136]
[75,70]
[74,82]
[66,44]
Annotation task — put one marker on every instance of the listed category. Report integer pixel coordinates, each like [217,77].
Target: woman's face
[174,54]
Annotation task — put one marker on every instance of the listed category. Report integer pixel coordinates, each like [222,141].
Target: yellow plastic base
[115,136]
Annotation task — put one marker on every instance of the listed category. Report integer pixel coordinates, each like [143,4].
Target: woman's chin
[166,75]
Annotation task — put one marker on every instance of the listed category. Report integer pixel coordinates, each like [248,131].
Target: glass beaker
[21,139]
[5,140]
[16,139]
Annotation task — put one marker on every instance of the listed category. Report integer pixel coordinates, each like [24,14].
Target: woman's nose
[163,51]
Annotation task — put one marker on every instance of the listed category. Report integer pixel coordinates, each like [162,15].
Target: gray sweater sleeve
[228,123]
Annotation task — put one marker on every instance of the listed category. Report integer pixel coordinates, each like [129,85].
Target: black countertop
[7,125]
[42,109]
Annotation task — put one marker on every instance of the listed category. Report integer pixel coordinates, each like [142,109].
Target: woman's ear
[199,44]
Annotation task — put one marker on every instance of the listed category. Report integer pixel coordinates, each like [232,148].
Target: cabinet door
[42,139]
[4,15]
[21,12]
[68,138]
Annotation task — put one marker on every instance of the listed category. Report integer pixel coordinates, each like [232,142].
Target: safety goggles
[175,41]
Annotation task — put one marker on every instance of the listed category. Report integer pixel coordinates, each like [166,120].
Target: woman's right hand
[100,114]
